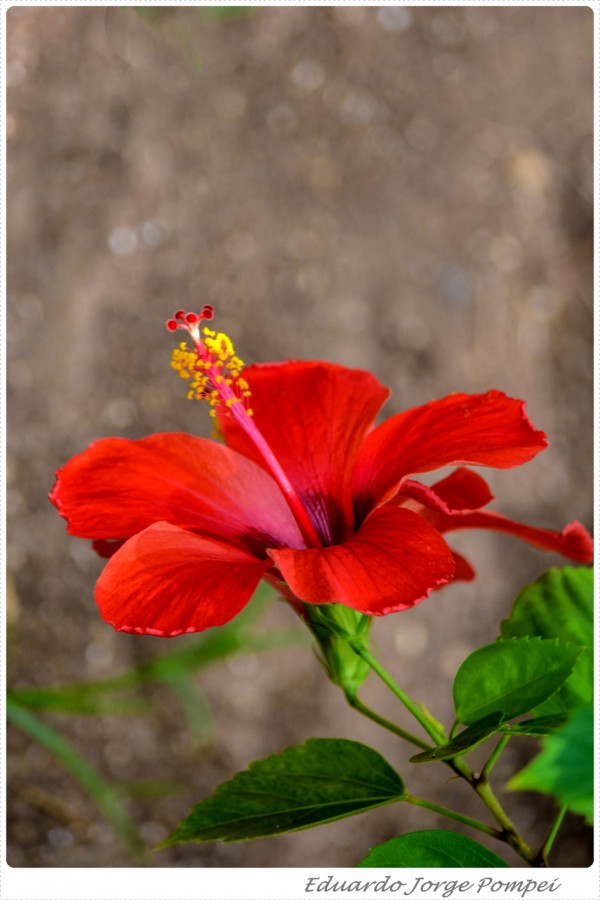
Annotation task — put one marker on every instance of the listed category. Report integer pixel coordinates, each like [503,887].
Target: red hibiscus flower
[307,493]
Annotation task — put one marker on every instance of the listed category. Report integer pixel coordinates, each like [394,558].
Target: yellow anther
[214,369]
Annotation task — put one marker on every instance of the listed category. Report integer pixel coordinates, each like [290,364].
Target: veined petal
[393,561]
[574,541]
[314,416]
[462,491]
[479,429]
[118,487]
[166,581]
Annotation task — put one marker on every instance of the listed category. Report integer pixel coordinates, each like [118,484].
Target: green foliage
[431,849]
[464,742]
[537,727]
[91,699]
[173,668]
[511,677]
[565,766]
[560,604]
[320,781]
[106,796]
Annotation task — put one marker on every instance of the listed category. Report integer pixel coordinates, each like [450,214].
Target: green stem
[510,833]
[360,707]
[450,814]
[493,758]
[454,729]
[541,858]
[414,709]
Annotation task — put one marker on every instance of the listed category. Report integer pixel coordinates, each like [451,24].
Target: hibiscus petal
[118,487]
[314,416]
[166,581]
[463,570]
[574,541]
[480,429]
[106,549]
[462,491]
[391,563]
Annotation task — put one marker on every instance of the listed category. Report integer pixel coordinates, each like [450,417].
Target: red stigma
[187,320]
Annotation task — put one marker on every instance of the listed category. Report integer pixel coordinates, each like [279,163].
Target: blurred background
[404,189]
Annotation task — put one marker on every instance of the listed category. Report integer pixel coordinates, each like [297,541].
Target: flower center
[215,375]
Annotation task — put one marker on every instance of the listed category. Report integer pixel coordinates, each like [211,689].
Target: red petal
[166,581]
[118,487]
[573,541]
[463,570]
[482,430]
[314,416]
[462,491]
[106,549]
[391,563]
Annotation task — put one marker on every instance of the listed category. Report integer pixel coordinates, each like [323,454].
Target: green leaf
[560,604]
[431,849]
[538,727]
[464,742]
[105,795]
[565,766]
[321,781]
[511,677]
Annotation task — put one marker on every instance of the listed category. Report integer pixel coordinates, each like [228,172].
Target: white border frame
[287,884]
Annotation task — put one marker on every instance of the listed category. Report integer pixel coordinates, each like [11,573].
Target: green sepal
[334,626]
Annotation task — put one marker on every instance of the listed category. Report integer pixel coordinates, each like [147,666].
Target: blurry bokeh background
[403,189]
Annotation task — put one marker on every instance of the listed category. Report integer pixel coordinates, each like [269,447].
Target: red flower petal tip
[578,543]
